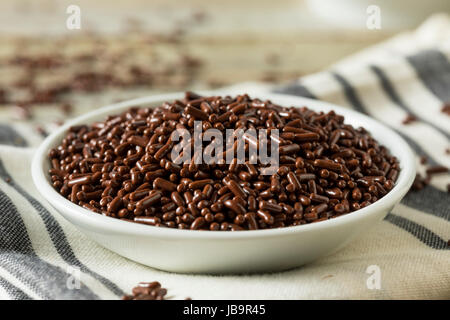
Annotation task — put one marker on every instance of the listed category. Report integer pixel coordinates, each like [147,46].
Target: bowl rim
[109,224]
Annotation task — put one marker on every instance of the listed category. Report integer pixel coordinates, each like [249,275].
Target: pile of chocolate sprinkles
[122,168]
[147,291]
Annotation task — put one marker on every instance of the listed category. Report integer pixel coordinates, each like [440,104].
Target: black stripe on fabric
[9,136]
[14,292]
[425,235]
[19,259]
[295,89]
[429,200]
[355,101]
[350,93]
[57,234]
[433,68]
[395,97]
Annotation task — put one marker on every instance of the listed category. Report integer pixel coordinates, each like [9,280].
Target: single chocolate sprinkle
[446,109]
[436,170]
[410,118]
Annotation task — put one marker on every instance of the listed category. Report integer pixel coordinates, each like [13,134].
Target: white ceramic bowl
[226,252]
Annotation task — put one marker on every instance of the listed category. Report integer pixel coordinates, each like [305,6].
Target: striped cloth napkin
[407,255]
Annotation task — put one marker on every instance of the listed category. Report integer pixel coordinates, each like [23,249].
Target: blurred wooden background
[225,42]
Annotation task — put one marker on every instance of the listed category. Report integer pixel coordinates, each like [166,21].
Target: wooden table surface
[232,41]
